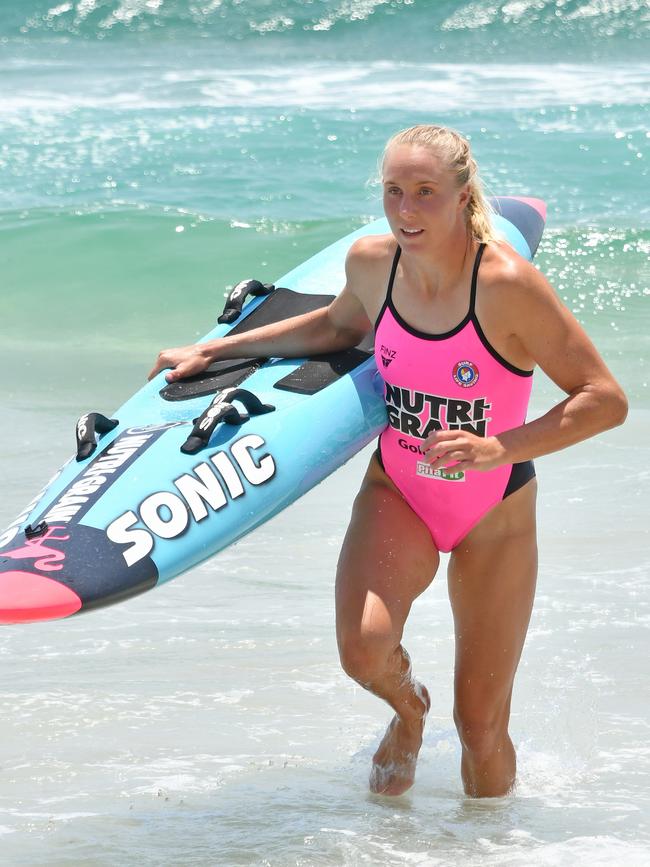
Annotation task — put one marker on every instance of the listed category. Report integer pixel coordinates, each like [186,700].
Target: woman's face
[421,200]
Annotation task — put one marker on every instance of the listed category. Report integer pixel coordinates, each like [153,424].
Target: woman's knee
[481,728]
[365,658]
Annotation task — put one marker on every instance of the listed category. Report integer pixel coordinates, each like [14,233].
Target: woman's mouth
[412,232]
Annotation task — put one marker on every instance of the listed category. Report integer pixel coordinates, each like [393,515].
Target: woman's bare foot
[393,765]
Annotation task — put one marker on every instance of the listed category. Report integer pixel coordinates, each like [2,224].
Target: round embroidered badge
[466,374]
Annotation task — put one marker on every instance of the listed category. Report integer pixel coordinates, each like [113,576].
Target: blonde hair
[455,150]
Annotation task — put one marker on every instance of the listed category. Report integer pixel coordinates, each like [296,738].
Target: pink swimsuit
[450,381]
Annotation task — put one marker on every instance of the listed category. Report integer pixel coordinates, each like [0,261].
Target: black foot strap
[222,410]
[87,426]
[235,300]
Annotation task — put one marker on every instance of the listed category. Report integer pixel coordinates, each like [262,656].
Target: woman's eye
[425,191]
[392,190]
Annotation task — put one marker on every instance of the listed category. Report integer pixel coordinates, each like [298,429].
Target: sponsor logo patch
[448,475]
[417,414]
[465,374]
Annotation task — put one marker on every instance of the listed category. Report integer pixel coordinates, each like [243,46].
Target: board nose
[25,597]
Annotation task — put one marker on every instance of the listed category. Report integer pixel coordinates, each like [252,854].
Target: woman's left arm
[551,336]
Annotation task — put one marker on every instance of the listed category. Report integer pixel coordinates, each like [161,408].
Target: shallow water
[209,722]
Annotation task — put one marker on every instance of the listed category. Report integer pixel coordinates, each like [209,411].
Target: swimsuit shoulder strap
[389,289]
[393,271]
[472,294]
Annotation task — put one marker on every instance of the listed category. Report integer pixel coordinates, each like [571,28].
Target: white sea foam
[438,87]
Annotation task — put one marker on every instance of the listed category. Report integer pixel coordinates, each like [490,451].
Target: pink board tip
[26,597]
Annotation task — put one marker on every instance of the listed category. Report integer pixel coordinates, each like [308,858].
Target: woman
[461,320]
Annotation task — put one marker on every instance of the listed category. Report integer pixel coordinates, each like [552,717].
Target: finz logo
[466,374]
[387,355]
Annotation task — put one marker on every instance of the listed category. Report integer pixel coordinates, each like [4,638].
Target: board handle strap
[88,425]
[238,294]
[222,410]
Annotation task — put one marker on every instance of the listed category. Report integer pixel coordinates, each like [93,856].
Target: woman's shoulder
[367,264]
[506,276]
[514,297]
[372,250]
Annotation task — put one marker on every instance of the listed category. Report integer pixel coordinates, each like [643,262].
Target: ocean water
[154,152]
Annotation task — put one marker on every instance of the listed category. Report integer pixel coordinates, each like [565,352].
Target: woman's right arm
[341,325]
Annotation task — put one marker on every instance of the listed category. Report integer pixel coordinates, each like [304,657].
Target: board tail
[526,214]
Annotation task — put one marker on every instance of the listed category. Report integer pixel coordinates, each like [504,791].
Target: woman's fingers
[448,459]
[463,450]
[450,448]
[184,361]
[440,447]
[161,364]
[180,370]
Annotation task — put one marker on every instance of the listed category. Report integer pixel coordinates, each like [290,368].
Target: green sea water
[154,153]
[112,287]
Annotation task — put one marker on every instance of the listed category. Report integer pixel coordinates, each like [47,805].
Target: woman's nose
[406,206]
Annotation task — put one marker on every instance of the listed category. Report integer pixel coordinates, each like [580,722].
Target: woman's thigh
[388,558]
[492,576]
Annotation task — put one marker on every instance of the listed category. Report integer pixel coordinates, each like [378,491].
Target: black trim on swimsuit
[424,335]
[469,317]
[389,288]
[518,371]
[520,474]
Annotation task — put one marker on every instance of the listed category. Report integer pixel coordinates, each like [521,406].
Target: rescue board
[183,470]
